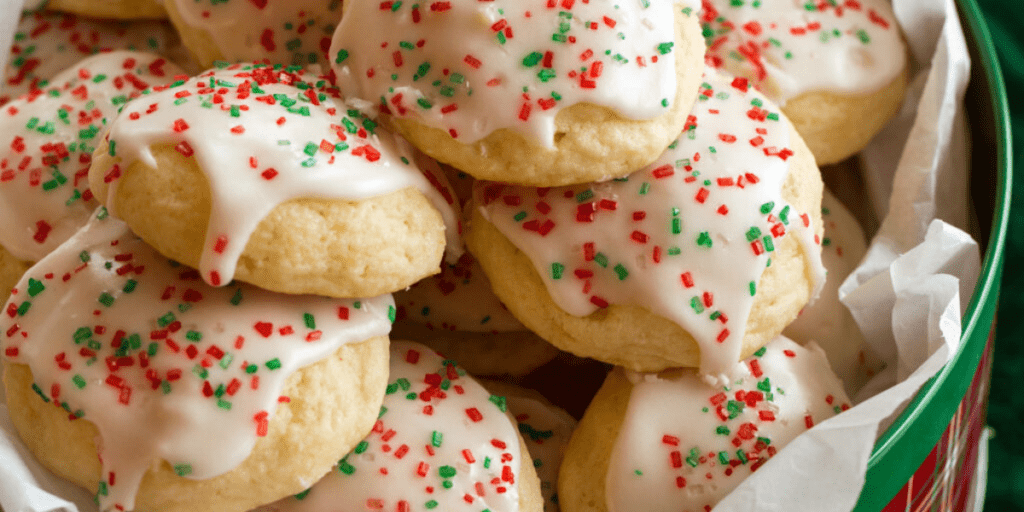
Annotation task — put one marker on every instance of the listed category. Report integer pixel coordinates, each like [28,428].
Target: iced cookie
[546,430]
[528,92]
[46,142]
[456,313]
[262,173]
[47,43]
[671,442]
[442,442]
[129,376]
[827,321]
[282,31]
[118,9]
[698,259]
[839,69]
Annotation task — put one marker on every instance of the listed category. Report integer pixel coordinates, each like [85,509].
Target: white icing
[283,31]
[470,68]
[47,43]
[789,47]
[827,321]
[46,144]
[686,237]
[547,430]
[264,136]
[426,436]
[690,455]
[194,377]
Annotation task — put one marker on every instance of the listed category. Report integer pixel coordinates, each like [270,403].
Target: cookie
[442,442]
[839,70]
[671,442]
[456,313]
[826,321]
[546,430]
[129,376]
[46,142]
[283,32]
[262,174]
[117,9]
[526,92]
[11,270]
[47,43]
[698,259]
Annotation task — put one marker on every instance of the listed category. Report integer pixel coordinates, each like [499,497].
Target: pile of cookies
[202,228]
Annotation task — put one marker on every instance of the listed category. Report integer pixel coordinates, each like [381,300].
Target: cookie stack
[206,321]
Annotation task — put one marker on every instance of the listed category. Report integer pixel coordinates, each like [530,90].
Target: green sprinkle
[753,288]
[165,320]
[106,299]
[764,385]
[302,495]
[677,226]
[697,305]
[723,458]
[767,207]
[309,320]
[361,447]
[556,270]
[432,503]
[446,471]
[345,467]
[436,438]
[601,260]
[753,233]
[499,401]
[129,286]
[664,48]
[194,336]
[533,59]
[237,298]
[79,381]
[784,215]
[722,430]
[274,364]
[704,239]
[35,287]
[621,271]
[183,469]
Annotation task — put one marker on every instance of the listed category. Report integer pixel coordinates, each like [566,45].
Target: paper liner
[908,295]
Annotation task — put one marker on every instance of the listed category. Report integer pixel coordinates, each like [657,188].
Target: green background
[1006,407]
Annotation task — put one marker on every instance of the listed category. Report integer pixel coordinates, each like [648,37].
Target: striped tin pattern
[945,480]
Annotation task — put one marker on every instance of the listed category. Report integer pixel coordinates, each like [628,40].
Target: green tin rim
[905,445]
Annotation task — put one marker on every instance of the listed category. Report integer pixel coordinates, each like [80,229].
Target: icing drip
[827,322]
[442,442]
[791,47]
[265,135]
[294,32]
[470,68]
[689,456]
[165,366]
[457,299]
[687,237]
[546,430]
[48,43]
[46,142]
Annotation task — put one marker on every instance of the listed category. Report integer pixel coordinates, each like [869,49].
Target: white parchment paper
[908,295]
